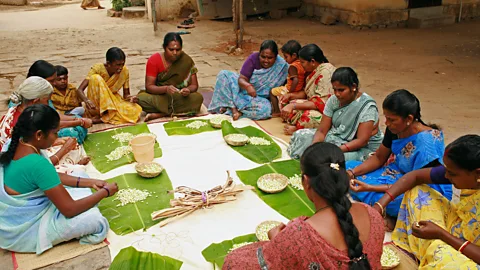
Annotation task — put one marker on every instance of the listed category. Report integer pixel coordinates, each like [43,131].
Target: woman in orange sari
[104,81]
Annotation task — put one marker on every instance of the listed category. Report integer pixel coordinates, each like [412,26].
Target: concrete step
[426,12]
[134,12]
[430,21]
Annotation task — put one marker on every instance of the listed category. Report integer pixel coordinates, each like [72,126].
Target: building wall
[169,9]
[360,5]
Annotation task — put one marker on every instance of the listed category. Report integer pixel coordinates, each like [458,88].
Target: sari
[318,89]
[408,154]
[228,94]
[179,74]
[299,246]
[30,222]
[345,123]
[8,120]
[461,220]
[90,4]
[103,92]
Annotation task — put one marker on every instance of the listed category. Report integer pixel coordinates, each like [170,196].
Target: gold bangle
[58,160]
[381,207]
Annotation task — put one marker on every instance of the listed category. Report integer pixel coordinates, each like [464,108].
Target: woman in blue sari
[247,94]
[409,144]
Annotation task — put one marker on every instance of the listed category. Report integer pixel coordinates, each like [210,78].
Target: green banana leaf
[130,258]
[290,203]
[216,252]
[256,153]
[179,127]
[98,145]
[135,216]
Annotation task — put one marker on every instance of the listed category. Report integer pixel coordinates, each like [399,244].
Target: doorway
[424,3]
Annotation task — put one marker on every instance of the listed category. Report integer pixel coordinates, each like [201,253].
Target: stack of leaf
[99,145]
[290,203]
[256,153]
[216,253]
[130,258]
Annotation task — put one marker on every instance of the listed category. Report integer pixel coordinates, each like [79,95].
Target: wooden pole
[154,16]
[240,24]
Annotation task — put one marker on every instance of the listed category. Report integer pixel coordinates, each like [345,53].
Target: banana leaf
[179,127]
[130,258]
[98,145]
[135,216]
[290,203]
[256,153]
[216,252]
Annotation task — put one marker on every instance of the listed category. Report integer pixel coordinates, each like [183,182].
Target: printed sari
[345,123]
[318,89]
[179,74]
[228,93]
[408,154]
[31,223]
[460,220]
[299,246]
[103,92]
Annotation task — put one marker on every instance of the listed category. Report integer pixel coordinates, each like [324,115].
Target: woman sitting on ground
[439,233]
[71,125]
[104,81]
[36,210]
[350,120]
[34,90]
[305,108]
[248,93]
[409,144]
[171,82]
[340,235]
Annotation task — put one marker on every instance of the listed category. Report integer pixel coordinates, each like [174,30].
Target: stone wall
[13,2]
[380,12]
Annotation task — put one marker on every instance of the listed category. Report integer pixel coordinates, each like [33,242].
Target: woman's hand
[285,98]
[273,232]
[172,89]
[185,92]
[287,110]
[90,105]
[70,144]
[350,174]
[251,91]
[379,210]
[87,123]
[112,188]
[59,141]
[98,184]
[131,98]
[359,186]
[427,230]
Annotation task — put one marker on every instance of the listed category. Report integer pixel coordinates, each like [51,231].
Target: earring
[478,180]
[408,124]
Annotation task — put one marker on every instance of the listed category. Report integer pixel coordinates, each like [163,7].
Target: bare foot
[100,7]
[222,110]
[96,120]
[84,8]
[276,114]
[389,224]
[84,161]
[236,114]
[289,129]
[153,116]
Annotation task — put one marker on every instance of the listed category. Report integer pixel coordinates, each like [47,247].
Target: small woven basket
[148,170]
[392,266]
[280,178]
[214,121]
[262,233]
[236,142]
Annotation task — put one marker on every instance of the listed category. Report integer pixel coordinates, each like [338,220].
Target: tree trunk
[240,24]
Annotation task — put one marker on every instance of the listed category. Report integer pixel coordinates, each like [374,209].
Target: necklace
[29,145]
[322,208]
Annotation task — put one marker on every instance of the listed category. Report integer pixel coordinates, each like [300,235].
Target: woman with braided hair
[340,235]
[39,207]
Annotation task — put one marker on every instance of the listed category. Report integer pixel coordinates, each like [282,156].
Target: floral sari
[408,154]
[460,220]
[228,94]
[318,89]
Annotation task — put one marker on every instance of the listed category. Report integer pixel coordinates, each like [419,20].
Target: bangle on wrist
[58,160]
[78,181]
[348,148]
[463,246]
[108,191]
[390,195]
[353,174]
[381,207]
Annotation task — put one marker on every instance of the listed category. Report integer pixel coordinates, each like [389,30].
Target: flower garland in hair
[335,166]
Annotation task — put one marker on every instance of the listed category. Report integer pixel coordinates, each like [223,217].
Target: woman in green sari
[171,82]
[350,121]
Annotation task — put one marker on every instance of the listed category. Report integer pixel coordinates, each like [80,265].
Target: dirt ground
[440,65]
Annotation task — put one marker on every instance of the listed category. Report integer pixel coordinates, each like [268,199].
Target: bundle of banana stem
[194,199]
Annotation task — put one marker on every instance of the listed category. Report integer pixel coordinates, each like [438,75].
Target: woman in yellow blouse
[104,81]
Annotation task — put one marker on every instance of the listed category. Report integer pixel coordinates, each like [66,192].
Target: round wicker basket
[148,170]
[216,122]
[391,266]
[280,178]
[239,141]
[263,228]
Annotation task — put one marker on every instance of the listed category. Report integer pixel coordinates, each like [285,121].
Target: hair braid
[7,157]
